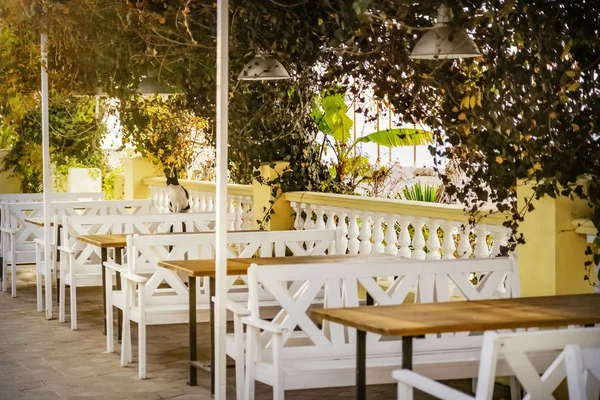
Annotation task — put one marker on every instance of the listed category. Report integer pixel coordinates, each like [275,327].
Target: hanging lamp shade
[263,68]
[150,85]
[444,41]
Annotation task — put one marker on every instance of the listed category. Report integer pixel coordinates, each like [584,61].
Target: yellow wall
[283,218]
[552,260]
[8,184]
[135,170]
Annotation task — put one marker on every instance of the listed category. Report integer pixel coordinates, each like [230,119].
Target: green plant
[75,140]
[108,183]
[349,170]
[162,129]
[420,192]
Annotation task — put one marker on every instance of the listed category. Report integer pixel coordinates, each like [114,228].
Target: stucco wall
[8,184]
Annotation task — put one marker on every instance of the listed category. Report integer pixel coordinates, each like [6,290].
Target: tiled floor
[47,360]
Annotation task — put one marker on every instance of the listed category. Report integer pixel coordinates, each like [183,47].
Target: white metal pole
[46,177]
[221,228]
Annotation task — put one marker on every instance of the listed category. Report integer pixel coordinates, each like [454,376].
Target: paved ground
[46,360]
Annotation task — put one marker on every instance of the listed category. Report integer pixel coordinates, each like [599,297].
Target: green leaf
[399,137]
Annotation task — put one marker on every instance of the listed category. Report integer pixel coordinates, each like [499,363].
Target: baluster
[230,210]
[433,241]
[404,237]
[238,214]
[202,202]
[331,212]
[448,245]
[418,241]
[481,247]
[365,234]
[298,218]
[390,235]
[343,227]
[499,239]
[353,242]
[464,245]
[378,236]
[320,222]
[248,222]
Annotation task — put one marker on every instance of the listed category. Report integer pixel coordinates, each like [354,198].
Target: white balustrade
[368,229]
[202,201]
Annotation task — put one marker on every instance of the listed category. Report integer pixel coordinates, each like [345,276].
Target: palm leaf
[398,137]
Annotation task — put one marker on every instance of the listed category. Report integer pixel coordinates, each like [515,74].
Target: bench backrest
[155,248]
[35,197]
[295,287]
[13,216]
[74,226]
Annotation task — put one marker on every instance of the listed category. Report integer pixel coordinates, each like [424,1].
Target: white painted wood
[574,355]
[418,241]
[170,305]
[323,356]
[83,268]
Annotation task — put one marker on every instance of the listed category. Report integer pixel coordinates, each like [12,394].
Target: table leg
[361,365]
[407,352]
[211,288]
[104,258]
[118,260]
[193,327]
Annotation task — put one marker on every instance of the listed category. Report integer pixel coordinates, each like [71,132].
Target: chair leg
[251,336]
[515,388]
[142,347]
[238,328]
[110,342]
[38,279]
[126,335]
[13,269]
[62,294]
[73,295]
[405,392]
[4,264]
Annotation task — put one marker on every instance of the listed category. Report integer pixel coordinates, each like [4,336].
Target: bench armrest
[263,325]
[67,250]
[9,230]
[134,278]
[115,267]
[411,380]
[234,307]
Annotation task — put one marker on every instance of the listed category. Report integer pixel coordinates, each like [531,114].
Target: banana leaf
[398,137]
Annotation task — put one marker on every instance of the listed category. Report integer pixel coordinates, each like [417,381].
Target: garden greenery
[526,111]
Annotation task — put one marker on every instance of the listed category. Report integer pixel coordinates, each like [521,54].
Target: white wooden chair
[145,303]
[293,352]
[18,246]
[78,208]
[80,262]
[579,362]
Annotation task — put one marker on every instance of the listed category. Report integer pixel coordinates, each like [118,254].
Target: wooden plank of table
[482,315]
[38,221]
[239,266]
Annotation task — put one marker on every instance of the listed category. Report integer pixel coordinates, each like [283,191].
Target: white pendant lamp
[443,41]
[263,68]
[150,85]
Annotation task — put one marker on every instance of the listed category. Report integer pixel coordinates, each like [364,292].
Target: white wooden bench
[518,350]
[76,208]
[80,262]
[38,197]
[293,352]
[144,302]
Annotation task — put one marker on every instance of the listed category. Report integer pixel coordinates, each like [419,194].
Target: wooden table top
[117,240]
[239,266]
[38,221]
[482,315]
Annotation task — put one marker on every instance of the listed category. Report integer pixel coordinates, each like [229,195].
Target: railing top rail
[203,186]
[390,206]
